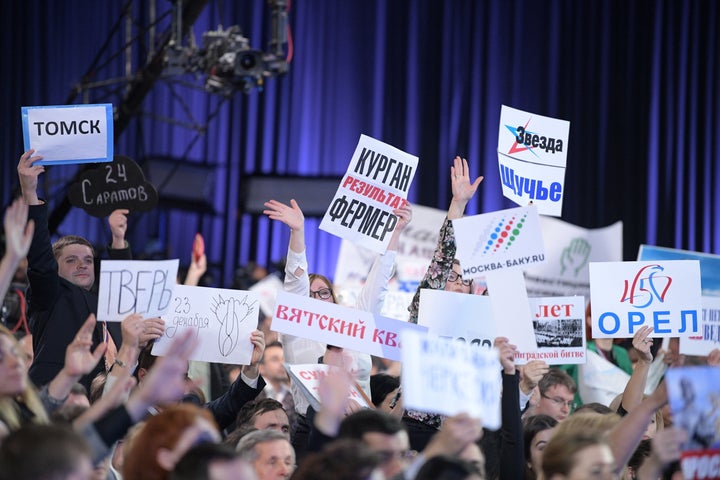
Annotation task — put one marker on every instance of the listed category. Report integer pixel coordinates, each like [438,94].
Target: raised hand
[291,215]
[532,372]
[507,353]
[18,231]
[118,227]
[79,360]
[642,343]
[28,174]
[462,188]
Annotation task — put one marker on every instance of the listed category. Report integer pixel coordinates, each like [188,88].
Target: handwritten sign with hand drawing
[222,318]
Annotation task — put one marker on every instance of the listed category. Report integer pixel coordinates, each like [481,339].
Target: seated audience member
[263,414]
[578,456]
[165,438]
[212,461]
[269,452]
[537,432]
[297,280]
[444,467]
[557,395]
[385,394]
[341,459]
[42,452]
[272,369]
[244,389]
[78,395]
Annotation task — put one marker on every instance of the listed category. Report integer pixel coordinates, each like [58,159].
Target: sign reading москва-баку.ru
[65,134]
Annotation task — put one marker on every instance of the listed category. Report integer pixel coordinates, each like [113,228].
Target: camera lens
[247,61]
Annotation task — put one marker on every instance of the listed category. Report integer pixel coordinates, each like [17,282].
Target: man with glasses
[557,395]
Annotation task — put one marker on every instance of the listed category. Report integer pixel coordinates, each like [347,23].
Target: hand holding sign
[28,173]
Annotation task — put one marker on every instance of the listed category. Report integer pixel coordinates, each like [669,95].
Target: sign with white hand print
[569,250]
[223,320]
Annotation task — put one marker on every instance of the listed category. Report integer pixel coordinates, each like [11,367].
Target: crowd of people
[81,399]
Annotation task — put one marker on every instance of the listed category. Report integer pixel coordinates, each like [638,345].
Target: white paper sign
[569,249]
[511,309]
[532,154]
[376,182]
[449,377]
[500,240]
[267,288]
[708,339]
[463,317]
[308,376]
[559,324]
[341,326]
[662,294]
[69,133]
[135,286]
[223,320]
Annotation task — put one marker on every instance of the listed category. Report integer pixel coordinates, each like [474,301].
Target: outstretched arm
[633,394]
[18,235]
[462,189]
[28,174]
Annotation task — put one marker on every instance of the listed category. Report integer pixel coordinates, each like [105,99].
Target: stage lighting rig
[227,59]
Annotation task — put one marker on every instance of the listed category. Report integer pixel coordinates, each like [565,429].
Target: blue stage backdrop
[638,80]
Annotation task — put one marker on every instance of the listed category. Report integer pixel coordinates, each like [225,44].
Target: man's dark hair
[443,467]
[195,464]
[39,452]
[256,407]
[555,376]
[369,421]
[594,407]
[381,384]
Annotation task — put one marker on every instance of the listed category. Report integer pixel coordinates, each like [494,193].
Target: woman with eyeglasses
[298,281]
[444,272]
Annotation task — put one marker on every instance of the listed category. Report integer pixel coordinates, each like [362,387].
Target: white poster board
[532,154]
[376,182]
[448,377]
[69,133]
[307,377]
[222,319]
[344,327]
[135,286]
[569,249]
[511,309]
[662,294]
[708,338]
[459,316]
[500,240]
[559,324]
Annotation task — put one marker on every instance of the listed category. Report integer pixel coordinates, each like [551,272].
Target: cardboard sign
[559,324]
[511,309]
[449,377]
[120,184]
[694,397]
[709,336]
[532,153]
[458,316]
[500,240]
[307,377]
[69,133]
[135,286]
[662,294]
[341,326]
[376,182]
[222,319]
[569,249]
